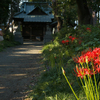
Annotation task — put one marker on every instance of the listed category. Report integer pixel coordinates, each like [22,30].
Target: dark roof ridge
[39,8]
[36,2]
[18,13]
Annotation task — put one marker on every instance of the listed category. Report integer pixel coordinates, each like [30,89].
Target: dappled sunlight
[32,68]
[19,67]
[2,87]
[33,43]
[38,46]
[30,52]
[13,76]
[17,75]
[2,92]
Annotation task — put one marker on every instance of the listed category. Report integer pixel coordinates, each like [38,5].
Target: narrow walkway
[19,68]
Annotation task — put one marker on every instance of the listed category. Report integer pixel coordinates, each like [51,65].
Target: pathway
[19,68]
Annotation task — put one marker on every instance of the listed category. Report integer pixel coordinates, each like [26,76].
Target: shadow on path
[19,68]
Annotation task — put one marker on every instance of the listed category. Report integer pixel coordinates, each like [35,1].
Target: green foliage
[10,43]
[89,38]
[54,50]
[94,5]
[4,10]
[69,13]
[8,36]
[64,33]
[5,43]
[52,86]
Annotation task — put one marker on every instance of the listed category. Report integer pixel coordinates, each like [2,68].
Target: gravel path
[19,68]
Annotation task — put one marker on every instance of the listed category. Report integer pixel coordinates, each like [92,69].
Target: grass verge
[4,44]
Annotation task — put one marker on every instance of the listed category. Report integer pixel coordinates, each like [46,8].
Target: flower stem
[69,84]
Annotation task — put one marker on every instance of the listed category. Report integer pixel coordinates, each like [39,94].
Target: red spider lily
[97,52]
[72,38]
[88,29]
[97,61]
[98,69]
[67,41]
[89,56]
[88,71]
[81,72]
[81,60]
[75,59]
[63,41]
[85,51]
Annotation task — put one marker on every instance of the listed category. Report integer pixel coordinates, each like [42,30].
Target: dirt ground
[20,67]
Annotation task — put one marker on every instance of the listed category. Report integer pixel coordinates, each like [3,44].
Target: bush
[69,42]
[52,83]
[8,36]
[4,44]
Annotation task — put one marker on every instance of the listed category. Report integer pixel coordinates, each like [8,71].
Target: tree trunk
[10,19]
[12,14]
[84,16]
[59,23]
[55,8]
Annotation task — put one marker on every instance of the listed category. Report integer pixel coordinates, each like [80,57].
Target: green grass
[4,44]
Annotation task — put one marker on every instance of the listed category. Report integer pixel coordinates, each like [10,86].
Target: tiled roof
[38,18]
[26,8]
[29,6]
[34,18]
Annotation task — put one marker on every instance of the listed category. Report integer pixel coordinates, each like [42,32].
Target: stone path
[19,68]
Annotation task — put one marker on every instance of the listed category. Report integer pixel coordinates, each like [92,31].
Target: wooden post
[30,33]
[94,18]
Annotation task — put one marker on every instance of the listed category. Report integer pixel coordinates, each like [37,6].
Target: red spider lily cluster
[88,29]
[92,58]
[81,72]
[67,41]
[72,38]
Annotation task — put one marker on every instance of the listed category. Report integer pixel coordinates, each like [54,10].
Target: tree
[85,10]
[55,10]
[66,11]
[7,11]
[84,15]
[55,7]
[4,11]
[13,8]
